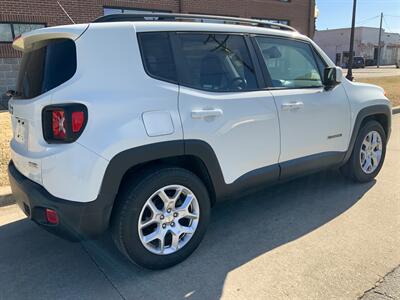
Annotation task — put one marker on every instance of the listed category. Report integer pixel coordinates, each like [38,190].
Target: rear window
[47,66]
[157,55]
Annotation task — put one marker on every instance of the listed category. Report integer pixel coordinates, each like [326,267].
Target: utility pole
[349,75]
[378,60]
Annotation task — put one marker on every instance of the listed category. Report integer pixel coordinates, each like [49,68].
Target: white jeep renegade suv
[141,123]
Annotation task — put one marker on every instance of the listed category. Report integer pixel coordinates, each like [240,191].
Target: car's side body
[136,121]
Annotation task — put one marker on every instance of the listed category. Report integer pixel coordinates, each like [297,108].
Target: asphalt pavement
[388,288]
[319,237]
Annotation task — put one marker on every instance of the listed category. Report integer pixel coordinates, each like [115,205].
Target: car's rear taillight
[78,119]
[58,124]
[63,123]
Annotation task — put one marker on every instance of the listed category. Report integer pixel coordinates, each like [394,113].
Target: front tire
[162,218]
[368,153]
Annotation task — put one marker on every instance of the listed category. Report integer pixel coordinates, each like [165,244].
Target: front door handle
[206,113]
[292,106]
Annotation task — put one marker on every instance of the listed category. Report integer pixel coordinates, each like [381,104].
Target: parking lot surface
[373,71]
[319,237]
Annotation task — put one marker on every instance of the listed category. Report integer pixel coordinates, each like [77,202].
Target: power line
[368,19]
[387,26]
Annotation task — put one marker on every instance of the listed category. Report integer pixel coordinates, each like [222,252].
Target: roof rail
[188,17]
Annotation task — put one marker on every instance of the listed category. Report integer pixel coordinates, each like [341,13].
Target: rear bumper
[77,220]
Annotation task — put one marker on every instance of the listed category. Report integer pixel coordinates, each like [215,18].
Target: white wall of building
[335,41]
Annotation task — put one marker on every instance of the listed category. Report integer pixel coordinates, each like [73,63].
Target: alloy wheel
[169,219]
[371,152]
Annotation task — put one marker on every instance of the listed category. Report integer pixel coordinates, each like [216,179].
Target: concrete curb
[6,197]
[396,110]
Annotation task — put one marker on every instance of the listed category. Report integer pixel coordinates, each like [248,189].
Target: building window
[276,21]
[9,31]
[6,33]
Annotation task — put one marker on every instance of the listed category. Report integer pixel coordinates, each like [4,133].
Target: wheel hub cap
[169,219]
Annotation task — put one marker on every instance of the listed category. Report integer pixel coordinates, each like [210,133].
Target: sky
[338,13]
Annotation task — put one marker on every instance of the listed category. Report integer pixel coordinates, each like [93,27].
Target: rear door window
[47,66]
[216,62]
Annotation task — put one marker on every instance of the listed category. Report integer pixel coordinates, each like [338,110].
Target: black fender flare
[364,113]
[127,159]
[124,161]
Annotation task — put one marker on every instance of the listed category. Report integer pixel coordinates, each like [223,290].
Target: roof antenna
[65,12]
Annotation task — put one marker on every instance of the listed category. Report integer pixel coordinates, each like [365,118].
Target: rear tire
[178,221]
[368,155]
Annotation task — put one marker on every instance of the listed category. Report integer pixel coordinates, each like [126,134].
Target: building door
[376,54]
[338,59]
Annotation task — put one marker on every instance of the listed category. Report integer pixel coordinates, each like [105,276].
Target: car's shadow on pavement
[34,263]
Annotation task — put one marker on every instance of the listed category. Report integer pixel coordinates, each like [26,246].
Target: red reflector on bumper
[51,216]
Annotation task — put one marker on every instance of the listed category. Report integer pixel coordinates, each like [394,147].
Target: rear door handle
[206,113]
[292,106]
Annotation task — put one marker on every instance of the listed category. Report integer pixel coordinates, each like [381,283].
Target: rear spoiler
[26,40]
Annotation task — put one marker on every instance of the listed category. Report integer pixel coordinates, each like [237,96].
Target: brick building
[18,16]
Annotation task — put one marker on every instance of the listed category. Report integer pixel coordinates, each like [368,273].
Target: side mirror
[332,77]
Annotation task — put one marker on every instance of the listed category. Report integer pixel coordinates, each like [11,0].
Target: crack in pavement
[385,282]
[383,294]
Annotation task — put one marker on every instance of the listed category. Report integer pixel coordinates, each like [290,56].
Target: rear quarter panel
[113,84]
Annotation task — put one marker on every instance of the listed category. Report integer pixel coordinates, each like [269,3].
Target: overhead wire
[368,19]
[387,25]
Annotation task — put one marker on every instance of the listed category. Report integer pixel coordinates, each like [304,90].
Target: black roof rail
[188,17]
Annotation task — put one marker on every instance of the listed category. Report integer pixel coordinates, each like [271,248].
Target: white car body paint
[362,95]
[247,126]
[248,131]
[306,130]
